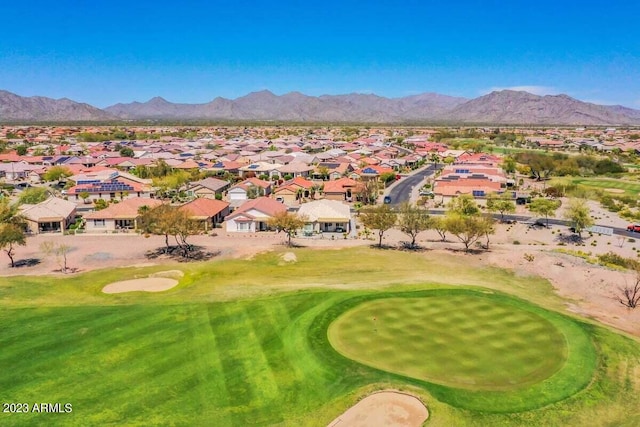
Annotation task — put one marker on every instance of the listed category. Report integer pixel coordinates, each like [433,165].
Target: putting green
[470,341]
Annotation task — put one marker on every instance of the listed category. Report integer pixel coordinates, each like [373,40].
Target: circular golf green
[470,341]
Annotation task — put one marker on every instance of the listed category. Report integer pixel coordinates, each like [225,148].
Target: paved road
[401,191]
[552,221]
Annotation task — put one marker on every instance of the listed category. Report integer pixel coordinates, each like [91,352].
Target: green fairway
[218,350]
[467,341]
[630,188]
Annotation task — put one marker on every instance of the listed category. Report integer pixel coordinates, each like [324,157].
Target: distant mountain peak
[498,107]
[157,99]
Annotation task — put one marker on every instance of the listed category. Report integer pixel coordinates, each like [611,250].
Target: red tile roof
[125,209]
[265,205]
[204,208]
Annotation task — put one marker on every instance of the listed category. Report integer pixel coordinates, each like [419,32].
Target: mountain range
[500,107]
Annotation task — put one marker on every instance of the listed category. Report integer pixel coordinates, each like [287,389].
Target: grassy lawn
[454,340]
[630,188]
[245,343]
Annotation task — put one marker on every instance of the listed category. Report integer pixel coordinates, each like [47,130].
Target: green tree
[579,214]
[12,226]
[509,165]
[323,171]
[127,152]
[254,191]
[502,204]
[33,195]
[412,221]
[56,173]
[464,205]
[21,150]
[84,195]
[100,204]
[544,207]
[158,220]
[367,191]
[168,186]
[468,229]
[288,223]
[388,177]
[166,220]
[381,218]
[435,159]
[439,224]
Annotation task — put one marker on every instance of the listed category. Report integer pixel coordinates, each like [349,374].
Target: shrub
[611,258]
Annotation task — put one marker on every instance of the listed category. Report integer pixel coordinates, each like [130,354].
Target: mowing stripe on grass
[267,326]
[227,336]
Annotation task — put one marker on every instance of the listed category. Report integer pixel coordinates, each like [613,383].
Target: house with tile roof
[293,190]
[295,169]
[253,215]
[241,192]
[342,189]
[209,212]
[325,216]
[208,187]
[334,169]
[476,180]
[120,216]
[54,215]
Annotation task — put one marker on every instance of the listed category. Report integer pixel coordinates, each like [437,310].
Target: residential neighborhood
[234,179]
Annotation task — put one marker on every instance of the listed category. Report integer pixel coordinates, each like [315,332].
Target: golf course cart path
[384,409]
[149,284]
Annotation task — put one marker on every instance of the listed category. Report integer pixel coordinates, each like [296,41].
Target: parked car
[634,227]
[387,200]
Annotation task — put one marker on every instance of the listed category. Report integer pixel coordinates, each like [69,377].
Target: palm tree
[435,158]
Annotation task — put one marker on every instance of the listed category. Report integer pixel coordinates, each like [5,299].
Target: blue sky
[102,52]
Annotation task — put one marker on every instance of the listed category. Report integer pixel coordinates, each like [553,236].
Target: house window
[243,226]
[99,223]
[478,193]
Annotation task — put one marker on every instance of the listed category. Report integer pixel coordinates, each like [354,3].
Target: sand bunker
[149,284]
[289,257]
[614,190]
[385,408]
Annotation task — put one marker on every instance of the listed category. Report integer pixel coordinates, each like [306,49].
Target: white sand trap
[384,409]
[614,190]
[289,257]
[149,284]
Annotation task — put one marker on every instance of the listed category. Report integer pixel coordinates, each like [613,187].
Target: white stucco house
[324,216]
[253,215]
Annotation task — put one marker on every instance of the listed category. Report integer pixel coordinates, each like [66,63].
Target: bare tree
[629,295]
[59,250]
